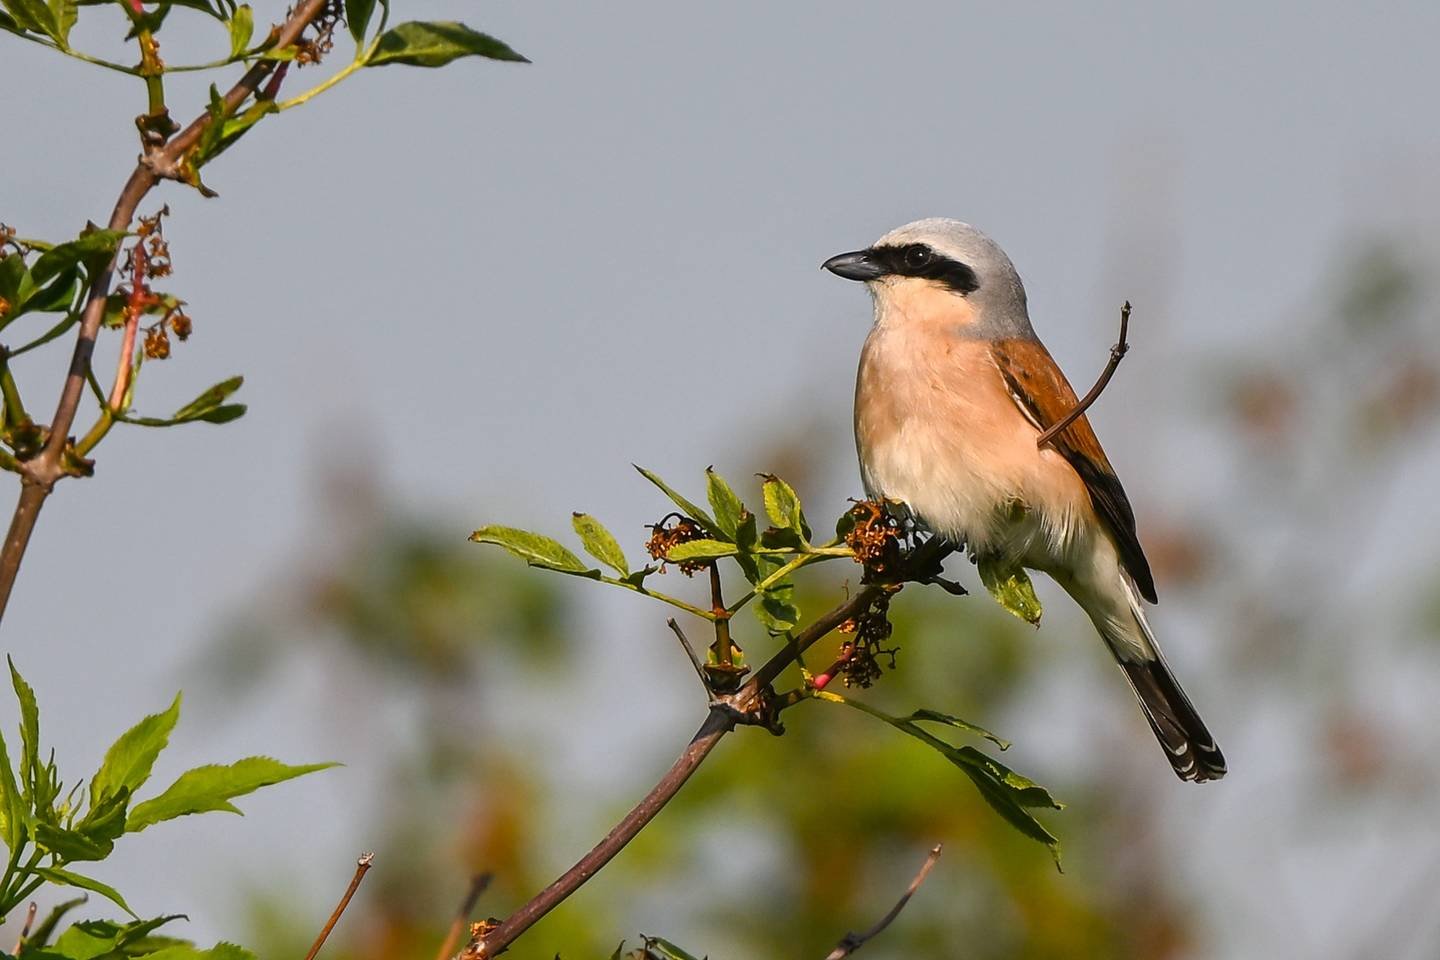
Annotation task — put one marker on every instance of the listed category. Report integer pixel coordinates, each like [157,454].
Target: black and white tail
[1188,744]
[1191,749]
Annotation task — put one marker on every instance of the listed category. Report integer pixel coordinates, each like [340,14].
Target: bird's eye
[917,255]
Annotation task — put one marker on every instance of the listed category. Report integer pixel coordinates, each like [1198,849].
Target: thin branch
[695,660]
[752,703]
[854,941]
[1117,353]
[478,883]
[41,472]
[25,930]
[362,867]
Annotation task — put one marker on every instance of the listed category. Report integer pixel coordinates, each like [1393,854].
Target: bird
[953,392]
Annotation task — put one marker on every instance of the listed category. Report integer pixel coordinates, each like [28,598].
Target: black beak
[854,266]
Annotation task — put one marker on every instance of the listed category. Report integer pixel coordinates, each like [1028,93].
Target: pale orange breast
[936,428]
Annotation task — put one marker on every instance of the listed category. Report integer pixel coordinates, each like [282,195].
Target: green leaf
[357,18]
[687,507]
[242,28]
[66,12]
[434,44]
[935,716]
[67,878]
[92,248]
[1009,794]
[96,938]
[14,812]
[29,732]
[45,929]
[658,948]
[8,23]
[783,506]
[208,400]
[730,513]
[34,16]
[212,787]
[535,549]
[600,543]
[129,760]
[1011,588]
[701,550]
[70,845]
[186,951]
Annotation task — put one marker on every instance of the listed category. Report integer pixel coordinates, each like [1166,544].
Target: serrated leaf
[686,506]
[92,247]
[70,845]
[45,929]
[212,787]
[600,543]
[13,809]
[1011,587]
[29,732]
[68,878]
[130,759]
[700,550]
[534,548]
[97,938]
[436,43]
[935,716]
[783,506]
[242,28]
[730,513]
[187,951]
[357,18]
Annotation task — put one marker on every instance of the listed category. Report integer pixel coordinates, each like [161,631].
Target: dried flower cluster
[673,530]
[147,260]
[860,657]
[308,50]
[875,538]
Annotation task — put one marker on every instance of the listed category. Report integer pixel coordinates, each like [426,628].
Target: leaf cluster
[768,559]
[47,828]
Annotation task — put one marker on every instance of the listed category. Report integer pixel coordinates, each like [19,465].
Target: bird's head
[940,270]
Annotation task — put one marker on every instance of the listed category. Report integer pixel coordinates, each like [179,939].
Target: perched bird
[953,392]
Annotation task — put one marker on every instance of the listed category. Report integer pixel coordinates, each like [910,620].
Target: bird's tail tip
[1188,744]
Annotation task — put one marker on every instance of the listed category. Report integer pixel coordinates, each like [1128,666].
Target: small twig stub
[362,866]
[854,941]
[1117,353]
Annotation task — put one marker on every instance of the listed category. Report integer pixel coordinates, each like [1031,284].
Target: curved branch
[750,704]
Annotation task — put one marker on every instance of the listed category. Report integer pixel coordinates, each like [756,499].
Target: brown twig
[854,941]
[39,474]
[25,930]
[750,704]
[695,660]
[478,883]
[1117,353]
[362,867]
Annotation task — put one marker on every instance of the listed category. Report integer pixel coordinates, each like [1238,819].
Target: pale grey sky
[473,274]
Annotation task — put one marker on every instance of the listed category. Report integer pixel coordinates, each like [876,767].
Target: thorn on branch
[1117,353]
[854,941]
[362,866]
